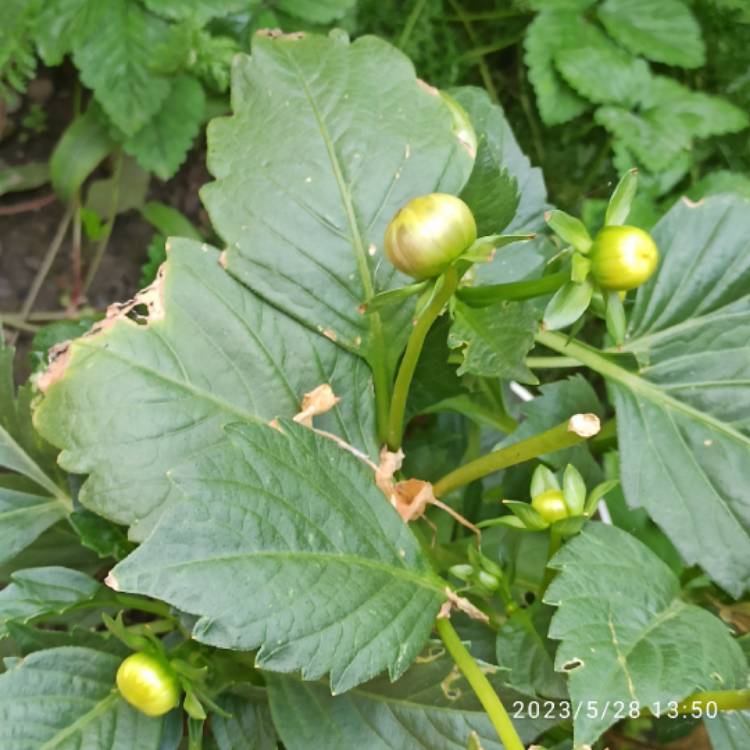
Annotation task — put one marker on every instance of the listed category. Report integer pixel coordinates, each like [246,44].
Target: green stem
[550,441]
[528,108]
[555,541]
[133,601]
[594,168]
[480,685]
[411,22]
[482,296]
[547,363]
[411,356]
[724,700]
[484,70]
[380,378]
[488,49]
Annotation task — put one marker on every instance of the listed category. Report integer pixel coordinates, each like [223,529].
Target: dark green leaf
[682,420]
[567,305]
[20,177]
[211,353]
[495,339]
[247,727]
[431,706]
[276,524]
[501,147]
[307,233]
[64,698]
[491,192]
[37,592]
[525,651]
[30,639]
[621,620]
[162,144]
[100,535]
[112,49]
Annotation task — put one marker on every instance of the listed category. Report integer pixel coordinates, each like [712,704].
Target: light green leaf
[57,25]
[656,136]
[124,191]
[492,127]
[719,182]
[623,628]
[112,49]
[274,525]
[431,706]
[83,146]
[550,32]
[211,353]
[20,177]
[619,204]
[17,58]
[316,11]
[604,73]
[704,115]
[64,698]
[683,420]
[306,233]
[570,229]
[199,11]
[567,305]
[729,731]
[248,726]
[169,221]
[495,339]
[162,144]
[661,30]
[36,592]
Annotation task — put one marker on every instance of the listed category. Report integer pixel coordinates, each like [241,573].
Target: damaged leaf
[495,339]
[204,352]
[304,204]
[431,706]
[623,627]
[273,524]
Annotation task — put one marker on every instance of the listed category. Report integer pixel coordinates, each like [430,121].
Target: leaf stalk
[411,356]
[481,686]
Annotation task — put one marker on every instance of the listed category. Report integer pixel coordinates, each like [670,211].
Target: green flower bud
[428,234]
[623,257]
[148,684]
[550,505]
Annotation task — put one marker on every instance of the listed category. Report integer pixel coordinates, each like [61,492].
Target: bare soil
[30,219]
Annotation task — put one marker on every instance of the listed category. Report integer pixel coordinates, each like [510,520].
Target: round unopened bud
[623,258]
[428,234]
[550,505]
[148,684]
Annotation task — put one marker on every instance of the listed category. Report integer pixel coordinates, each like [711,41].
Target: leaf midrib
[594,359]
[426,581]
[100,708]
